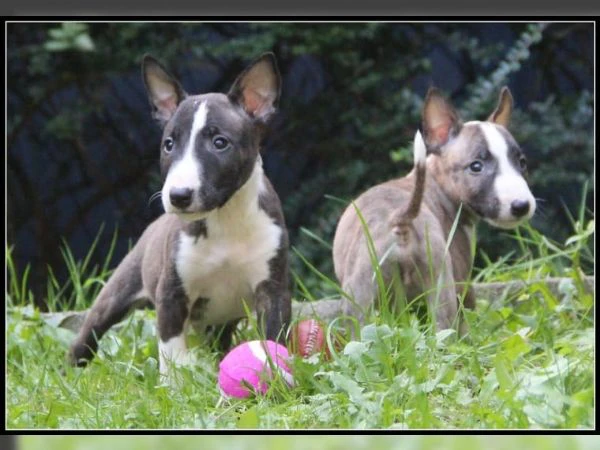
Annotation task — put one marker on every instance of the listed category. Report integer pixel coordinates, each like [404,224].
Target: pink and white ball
[249,365]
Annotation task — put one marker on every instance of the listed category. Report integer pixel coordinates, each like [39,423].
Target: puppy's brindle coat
[475,167]
[222,244]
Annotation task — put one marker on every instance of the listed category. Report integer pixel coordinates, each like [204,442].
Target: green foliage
[83,285]
[69,36]
[485,90]
[543,257]
[527,362]
[17,292]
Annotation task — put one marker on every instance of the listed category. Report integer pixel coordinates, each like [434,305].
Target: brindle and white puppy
[222,244]
[476,168]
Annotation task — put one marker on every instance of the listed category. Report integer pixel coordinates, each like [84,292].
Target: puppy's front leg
[273,309]
[172,315]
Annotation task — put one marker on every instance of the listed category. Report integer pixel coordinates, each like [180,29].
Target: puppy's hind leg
[362,290]
[114,302]
[441,290]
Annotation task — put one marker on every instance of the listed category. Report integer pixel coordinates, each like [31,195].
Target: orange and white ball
[308,338]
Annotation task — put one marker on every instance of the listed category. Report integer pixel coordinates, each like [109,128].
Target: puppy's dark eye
[523,163]
[220,142]
[476,166]
[168,144]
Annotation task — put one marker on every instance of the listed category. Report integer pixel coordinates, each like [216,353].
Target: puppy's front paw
[79,355]
[172,357]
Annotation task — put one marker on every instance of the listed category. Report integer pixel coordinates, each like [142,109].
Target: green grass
[527,362]
[304,442]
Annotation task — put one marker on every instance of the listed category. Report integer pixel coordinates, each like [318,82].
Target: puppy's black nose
[519,208]
[180,197]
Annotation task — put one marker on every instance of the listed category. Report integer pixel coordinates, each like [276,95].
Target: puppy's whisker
[540,211]
[154,197]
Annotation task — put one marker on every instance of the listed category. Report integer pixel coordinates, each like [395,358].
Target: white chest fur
[226,266]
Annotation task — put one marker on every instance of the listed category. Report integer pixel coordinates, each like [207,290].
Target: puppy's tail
[403,218]
[420,154]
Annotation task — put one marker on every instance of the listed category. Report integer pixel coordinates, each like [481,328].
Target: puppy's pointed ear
[440,121]
[164,91]
[258,87]
[501,114]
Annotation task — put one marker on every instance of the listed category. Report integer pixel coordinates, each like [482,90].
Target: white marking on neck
[230,218]
[227,265]
[509,184]
[186,172]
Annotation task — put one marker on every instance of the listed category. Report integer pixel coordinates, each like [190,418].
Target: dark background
[83,150]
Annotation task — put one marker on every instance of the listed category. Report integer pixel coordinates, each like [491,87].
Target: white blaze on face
[509,184]
[186,171]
